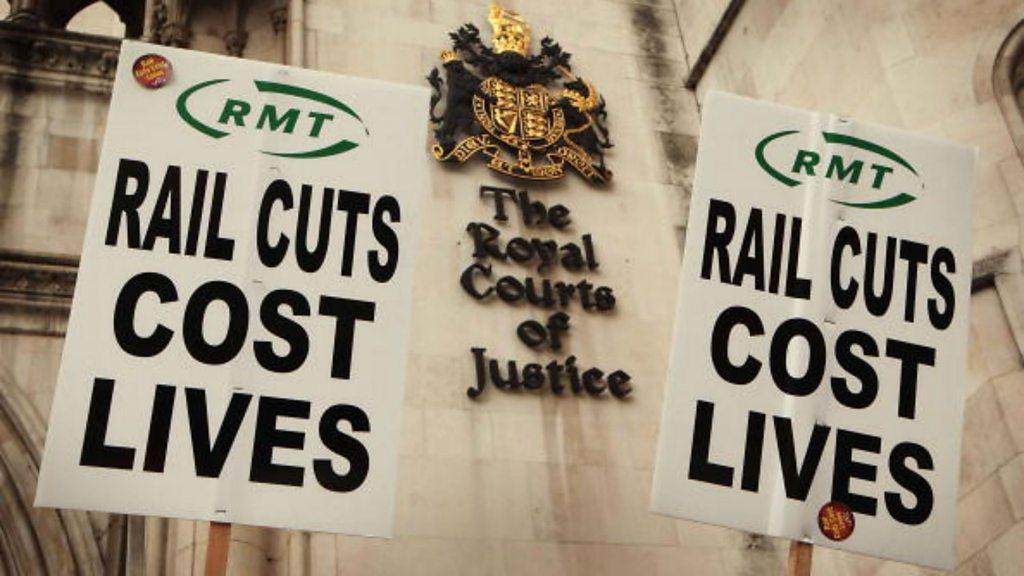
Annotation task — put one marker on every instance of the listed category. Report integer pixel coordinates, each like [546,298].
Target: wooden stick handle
[217,549]
[799,558]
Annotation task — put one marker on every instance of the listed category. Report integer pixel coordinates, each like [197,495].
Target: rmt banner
[237,345]
[816,383]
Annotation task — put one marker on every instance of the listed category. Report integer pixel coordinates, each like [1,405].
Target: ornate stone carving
[234,42]
[25,12]
[174,34]
[24,17]
[279,19]
[56,56]
[35,292]
[170,22]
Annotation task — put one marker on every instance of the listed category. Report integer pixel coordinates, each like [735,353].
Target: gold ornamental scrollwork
[499,103]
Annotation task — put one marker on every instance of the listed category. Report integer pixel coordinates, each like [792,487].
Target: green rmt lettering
[234,109]
[835,166]
[235,112]
[269,115]
[806,161]
[318,122]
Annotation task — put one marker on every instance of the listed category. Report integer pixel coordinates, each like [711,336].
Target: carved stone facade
[35,293]
[45,76]
[55,14]
[54,89]
[57,58]
[170,22]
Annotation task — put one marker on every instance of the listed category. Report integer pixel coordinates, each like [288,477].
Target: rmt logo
[294,122]
[872,175]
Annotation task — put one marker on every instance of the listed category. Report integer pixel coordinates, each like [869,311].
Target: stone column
[170,22]
[279,22]
[236,37]
[296,32]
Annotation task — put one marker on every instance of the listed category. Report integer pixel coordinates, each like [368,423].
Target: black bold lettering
[752,452]
[466,280]
[730,317]
[878,303]
[499,202]
[778,241]
[345,446]
[846,468]
[530,210]
[796,287]
[533,376]
[915,254]
[284,328]
[162,224]
[479,363]
[857,367]
[510,383]
[124,314]
[558,216]
[912,481]
[269,436]
[210,455]
[798,479]
[345,312]
[532,333]
[701,467]
[591,377]
[943,258]
[159,428]
[485,240]
[910,356]
[271,255]
[618,383]
[353,204]
[845,238]
[385,235]
[310,260]
[217,246]
[509,289]
[125,205]
[95,450]
[195,219]
[519,250]
[195,313]
[751,258]
[784,335]
[716,243]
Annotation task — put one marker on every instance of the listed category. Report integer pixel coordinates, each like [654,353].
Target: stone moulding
[58,57]
[1008,83]
[35,292]
[36,540]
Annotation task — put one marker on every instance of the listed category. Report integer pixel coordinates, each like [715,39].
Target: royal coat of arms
[498,104]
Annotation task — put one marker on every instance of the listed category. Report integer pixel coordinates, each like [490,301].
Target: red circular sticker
[835,520]
[152,70]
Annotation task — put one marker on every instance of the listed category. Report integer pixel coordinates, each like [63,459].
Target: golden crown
[511,32]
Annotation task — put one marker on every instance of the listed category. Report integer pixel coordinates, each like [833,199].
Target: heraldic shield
[510,116]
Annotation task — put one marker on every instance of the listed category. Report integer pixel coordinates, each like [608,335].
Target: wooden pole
[217,548]
[799,558]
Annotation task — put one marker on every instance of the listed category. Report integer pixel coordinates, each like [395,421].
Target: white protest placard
[237,345]
[819,359]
